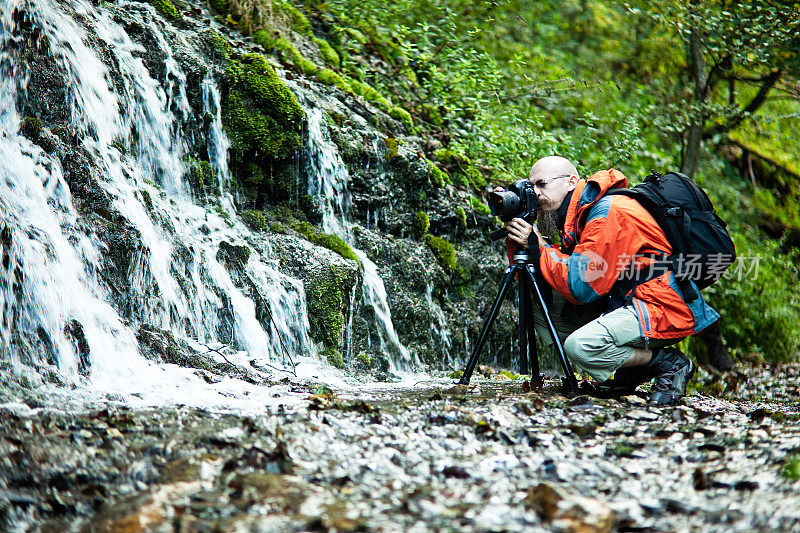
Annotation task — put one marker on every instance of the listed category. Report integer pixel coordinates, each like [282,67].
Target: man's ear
[573,182]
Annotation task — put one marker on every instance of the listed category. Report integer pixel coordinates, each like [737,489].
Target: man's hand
[519,231]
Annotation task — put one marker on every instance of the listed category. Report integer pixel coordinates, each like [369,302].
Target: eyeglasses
[541,184]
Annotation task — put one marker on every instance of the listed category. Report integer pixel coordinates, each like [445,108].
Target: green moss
[328,53]
[480,207]
[219,44]
[398,113]
[364,359]
[224,214]
[369,93]
[166,8]
[461,214]
[202,177]
[264,38]
[433,114]
[329,77]
[333,356]
[325,302]
[443,251]
[300,22]
[32,128]
[437,176]
[326,240]
[260,114]
[255,219]
[420,224]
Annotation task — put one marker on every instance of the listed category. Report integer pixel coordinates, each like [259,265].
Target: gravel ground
[487,457]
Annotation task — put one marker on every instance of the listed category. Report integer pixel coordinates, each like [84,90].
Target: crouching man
[603,238]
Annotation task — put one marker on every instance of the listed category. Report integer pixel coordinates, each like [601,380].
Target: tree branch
[750,108]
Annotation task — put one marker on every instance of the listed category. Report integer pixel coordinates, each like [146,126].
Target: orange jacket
[606,234]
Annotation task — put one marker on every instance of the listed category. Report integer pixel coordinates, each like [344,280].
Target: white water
[61,258]
[328,183]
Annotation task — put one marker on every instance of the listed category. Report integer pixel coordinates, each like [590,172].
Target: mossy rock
[32,128]
[398,113]
[262,119]
[326,240]
[325,300]
[299,21]
[167,9]
[420,224]
[232,255]
[480,207]
[329,55]
[433,115]
[264,38]
[219,44]
[438,177]
[461,215]
[333,356]
[443,251]
[329,77]
[255,219]
[202,177]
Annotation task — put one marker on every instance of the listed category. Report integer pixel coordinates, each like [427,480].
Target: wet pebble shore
[488,457]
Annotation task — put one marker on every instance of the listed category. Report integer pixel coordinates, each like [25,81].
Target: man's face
[551,190]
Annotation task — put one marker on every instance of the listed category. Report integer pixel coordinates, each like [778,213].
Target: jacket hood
[587,192]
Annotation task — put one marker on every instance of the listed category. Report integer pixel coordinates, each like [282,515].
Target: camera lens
[504,205]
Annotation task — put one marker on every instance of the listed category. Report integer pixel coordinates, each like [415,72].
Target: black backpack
[702,248]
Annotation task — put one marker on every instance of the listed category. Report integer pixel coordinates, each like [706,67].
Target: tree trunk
[697,61]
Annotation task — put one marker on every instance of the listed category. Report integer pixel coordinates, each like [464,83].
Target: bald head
[553,177]
[552,166]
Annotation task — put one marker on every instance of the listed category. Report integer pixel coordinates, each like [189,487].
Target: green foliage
[443,251]
[420,224]
[255,219]
[765,275]
[32,128]
[116,143]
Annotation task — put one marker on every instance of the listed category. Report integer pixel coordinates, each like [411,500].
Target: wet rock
[567,512]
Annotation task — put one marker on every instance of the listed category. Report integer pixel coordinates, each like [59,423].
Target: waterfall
[132,128]
[328,184]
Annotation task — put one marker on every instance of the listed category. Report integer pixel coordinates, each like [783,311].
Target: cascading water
[55,300]
[328,183]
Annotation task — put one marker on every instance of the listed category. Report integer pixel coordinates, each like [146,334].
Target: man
[604,237]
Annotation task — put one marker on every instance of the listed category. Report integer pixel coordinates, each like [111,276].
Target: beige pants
[598,344]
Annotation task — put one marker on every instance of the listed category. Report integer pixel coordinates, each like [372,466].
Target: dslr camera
[518,201]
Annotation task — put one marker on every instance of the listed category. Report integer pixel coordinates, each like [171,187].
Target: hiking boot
[673,372]
[625,380]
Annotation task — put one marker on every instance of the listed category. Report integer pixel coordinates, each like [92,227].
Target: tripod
[527,334]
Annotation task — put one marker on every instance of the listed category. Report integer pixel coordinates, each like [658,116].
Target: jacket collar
[586,193]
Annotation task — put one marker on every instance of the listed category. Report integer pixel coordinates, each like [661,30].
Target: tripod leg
[571,382]
[473,359]
[524,318]
[537,381]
